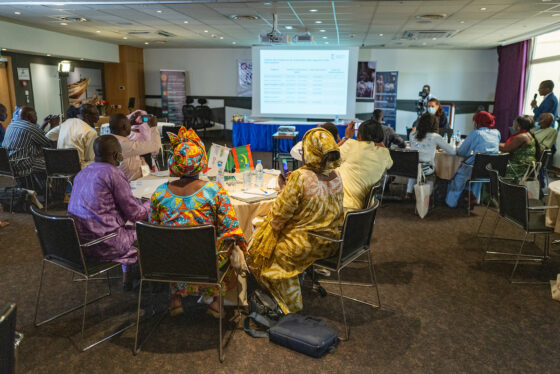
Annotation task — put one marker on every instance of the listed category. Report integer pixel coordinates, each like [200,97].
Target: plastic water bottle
[247,178]
[259,172]
[458,136]
[245,118]
[220,175]
[453,138]
[446,138]
[336,120]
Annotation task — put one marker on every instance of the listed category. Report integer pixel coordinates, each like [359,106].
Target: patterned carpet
[443,311]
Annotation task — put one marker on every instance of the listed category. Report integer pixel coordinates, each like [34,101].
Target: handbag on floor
[422,191]
[303,334]
[531,181]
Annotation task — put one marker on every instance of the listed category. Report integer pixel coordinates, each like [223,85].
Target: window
[544,65]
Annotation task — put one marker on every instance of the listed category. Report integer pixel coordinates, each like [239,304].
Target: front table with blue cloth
[259,134]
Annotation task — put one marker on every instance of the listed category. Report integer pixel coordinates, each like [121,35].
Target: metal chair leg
[374,279]
[39,293]
[491,236]
[136,348]
[47,195]
[518,256]
[221,306]
[469,204]
[482,220]
[347,333]
[84,309]
[12,200]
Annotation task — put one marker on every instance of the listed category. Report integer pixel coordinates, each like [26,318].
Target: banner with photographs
[386,96]
[365,88]
[85,85]
[173,95]
[244,77]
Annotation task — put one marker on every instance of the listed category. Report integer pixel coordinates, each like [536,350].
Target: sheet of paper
[145,188]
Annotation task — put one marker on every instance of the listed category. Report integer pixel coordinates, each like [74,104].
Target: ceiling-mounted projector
[274,36]
[304,38]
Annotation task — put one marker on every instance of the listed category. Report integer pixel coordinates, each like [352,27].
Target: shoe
[177,311]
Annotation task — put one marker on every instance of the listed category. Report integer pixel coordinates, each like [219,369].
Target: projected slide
[304,81]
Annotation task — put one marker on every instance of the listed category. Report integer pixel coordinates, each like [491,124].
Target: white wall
[25,39]
[454,75]
[46,90]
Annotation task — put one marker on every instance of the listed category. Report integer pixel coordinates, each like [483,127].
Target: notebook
[253,195]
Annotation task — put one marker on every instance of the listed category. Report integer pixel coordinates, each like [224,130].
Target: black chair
[354,242]
[370,198]
[449,133]
[6,171]
[405,164]
[165,142]
[190,256]
[60,164]
[204,118]
[514,207]
[189,115]
[10,339]
[61,246]
[497,161]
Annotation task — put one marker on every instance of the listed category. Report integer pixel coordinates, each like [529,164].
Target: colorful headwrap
[317,142]
[188,155]
[484,119]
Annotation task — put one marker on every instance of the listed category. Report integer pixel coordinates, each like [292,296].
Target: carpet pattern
[443,311]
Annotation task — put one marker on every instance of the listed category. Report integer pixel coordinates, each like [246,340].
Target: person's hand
[133,118]
[534,104]
[349,132]
[54,121]
[152,121]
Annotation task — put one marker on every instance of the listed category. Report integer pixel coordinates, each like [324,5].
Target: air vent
[138,32]
[165,34]
[431,17]
[426,34]
[246,17]
[124,23]
[70,19]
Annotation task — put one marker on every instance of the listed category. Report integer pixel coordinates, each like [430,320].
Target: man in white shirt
[132,149]
[78,133]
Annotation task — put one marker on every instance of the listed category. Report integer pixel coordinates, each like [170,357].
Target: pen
[263,190]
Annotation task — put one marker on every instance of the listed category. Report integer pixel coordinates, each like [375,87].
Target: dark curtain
[510,89]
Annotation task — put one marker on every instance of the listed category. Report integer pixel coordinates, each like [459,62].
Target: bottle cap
[246,165]
[258,162]
[219,164]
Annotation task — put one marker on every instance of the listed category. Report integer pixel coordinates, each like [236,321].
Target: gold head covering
[317,142]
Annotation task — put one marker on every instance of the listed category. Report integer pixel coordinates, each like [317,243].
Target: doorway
[7,91]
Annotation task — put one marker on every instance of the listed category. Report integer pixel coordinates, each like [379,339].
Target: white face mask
[431,110]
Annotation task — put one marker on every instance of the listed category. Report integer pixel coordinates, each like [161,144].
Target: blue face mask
[537,126]
[432,110]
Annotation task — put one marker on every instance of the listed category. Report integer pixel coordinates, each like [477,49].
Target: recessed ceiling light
[213,35]
[186,22]
[324,37]
[483,9]
[289,27]
[380,34]
[124,37]
[63,24]
[233,42]
[462,22]
[159,11]
[221,37]
[205,30]
[17,13]
[556,15]
[48,55]
[313,10]
[146,43]
[318,21]
[434,38]
[98,31]
[82,59]
[322,30]
[267,3]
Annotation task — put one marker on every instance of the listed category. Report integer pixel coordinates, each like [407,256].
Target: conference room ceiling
[209,24]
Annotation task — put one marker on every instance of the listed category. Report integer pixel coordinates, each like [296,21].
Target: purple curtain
[510,89]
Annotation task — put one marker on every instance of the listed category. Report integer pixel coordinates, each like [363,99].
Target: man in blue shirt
[549,103]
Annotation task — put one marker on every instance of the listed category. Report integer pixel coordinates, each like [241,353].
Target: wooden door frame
[11,86]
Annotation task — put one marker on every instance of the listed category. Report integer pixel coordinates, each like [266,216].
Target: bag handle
[530,168]
[260,320]
[420,177]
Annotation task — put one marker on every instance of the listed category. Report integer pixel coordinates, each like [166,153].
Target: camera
[422,102]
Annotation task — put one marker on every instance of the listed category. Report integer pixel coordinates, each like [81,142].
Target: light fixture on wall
[64,67]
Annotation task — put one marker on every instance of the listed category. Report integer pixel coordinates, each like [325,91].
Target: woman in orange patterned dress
[189,201]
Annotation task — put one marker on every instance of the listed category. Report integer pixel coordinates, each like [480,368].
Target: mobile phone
[284,168]
[145,119]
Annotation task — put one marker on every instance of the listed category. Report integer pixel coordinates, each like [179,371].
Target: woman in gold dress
[311,200]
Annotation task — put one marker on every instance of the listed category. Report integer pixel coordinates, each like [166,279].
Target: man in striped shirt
[24,140]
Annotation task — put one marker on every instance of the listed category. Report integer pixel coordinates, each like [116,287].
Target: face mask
[432,110]
[537,126]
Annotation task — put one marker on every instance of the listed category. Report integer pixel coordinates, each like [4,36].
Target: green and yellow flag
[238,157]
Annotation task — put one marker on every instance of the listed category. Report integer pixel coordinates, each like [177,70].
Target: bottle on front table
[220,174]
[446,138]
[247,178]
[259,172]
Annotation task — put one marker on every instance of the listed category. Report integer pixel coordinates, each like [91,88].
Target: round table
[552,216]
[245,212]
[446,165]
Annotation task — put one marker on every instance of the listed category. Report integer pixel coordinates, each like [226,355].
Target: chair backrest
[166,129]
[62,161]
[514,202]
[204,116]
[494,184]
[7,339]
[180,253]
[189,114]
[370,198]
[497,160]
[357,230]
[449,133]
[59,239]
[5,165]
[546,157]
[405,163]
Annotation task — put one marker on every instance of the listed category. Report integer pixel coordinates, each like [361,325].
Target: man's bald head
[28,114]
[545,120]
[107,149]
[89,114]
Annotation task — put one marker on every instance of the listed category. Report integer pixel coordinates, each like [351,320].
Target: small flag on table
[238,157]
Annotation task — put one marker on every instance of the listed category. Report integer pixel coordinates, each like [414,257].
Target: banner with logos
[173,95]
[365,86]
[244,77]
[386,96]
